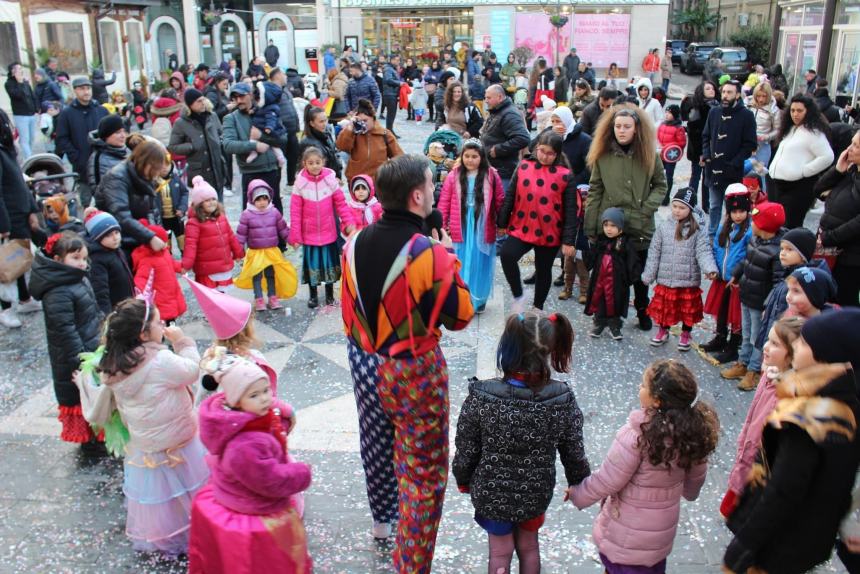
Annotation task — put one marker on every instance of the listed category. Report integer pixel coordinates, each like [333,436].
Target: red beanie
[159,231]
[768,216]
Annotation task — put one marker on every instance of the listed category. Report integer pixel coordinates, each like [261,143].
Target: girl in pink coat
[245,520]
[317,196]
[470,200]
[362,202]
[777,357]
[657,457]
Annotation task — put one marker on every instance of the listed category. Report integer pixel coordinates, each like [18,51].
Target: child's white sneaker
[29,306]
[8,318]
[381,530]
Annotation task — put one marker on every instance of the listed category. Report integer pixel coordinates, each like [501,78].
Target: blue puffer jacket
[727,260]
[363,87]
[775,304]
[390,82]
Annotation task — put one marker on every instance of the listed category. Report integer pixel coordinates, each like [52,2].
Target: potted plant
[211,17]
[558,20]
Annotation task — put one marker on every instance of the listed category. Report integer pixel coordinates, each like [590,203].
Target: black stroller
[46,176]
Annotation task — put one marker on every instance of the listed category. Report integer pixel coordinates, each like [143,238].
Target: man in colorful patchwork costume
[399,288]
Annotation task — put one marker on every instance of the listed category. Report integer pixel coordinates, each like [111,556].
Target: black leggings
[796,197]
[847,279]
[513,250]
[23,293]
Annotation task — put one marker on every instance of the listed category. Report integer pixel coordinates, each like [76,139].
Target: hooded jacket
[103,158]
[363,87]
[390,82]
[729,256]
[679,264]
[324,141]
[728,139]
[314,202]
[367,151]
[451,201]
[650,105]
[73,126]
[72,320]
[110,275]
[363,212]
[48,91]
[828,108]
[168,293]
[100,84]
[21,97]
[840,222]
[198,138]
[506,442]
[156,401]
[760,271]
[250,472]
[128,197]
[182,83]
[210,246]
[261,229]
[641,503]
[505,131]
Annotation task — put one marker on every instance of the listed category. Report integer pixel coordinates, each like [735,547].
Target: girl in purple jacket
[657,457]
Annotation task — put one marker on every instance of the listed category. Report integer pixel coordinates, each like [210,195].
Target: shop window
[109,39]
[813,15]
[792,16]
[845,68]
[848,12]
[8,45]
[134,31]
[65,41]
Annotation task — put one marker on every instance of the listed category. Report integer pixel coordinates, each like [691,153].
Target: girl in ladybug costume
[539,213]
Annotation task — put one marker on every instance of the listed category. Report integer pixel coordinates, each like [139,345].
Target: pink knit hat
[201,191]
[227,315]
[234,374]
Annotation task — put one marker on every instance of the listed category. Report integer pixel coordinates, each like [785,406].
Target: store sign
[467,3]
[602,38]
[403,23]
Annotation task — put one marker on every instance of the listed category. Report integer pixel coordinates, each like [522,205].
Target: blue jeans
[257,282]
[26,133]
[716,195]
[665,85]
[762,153]
[750,326]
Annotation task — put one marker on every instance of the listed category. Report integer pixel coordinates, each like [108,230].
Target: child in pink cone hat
[245,520]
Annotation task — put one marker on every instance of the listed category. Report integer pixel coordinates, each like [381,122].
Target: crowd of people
[412,240]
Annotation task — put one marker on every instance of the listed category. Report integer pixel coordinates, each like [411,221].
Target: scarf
[269,423]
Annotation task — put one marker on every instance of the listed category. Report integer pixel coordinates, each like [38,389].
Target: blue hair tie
[521,317]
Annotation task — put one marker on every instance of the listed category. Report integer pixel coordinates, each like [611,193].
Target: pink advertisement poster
[601,38]
[535,31]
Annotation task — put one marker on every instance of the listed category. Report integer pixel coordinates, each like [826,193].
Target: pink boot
[259,304]
[273,302]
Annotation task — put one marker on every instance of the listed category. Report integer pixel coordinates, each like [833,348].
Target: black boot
[313,301]
[718,343]
[560,281]
[730,353]
[329,294]
[645,323]
[530,280]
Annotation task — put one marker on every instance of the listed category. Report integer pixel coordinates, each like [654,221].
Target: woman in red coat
[168,293]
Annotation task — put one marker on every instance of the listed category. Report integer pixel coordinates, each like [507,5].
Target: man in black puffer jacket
[504,133]
[290,119]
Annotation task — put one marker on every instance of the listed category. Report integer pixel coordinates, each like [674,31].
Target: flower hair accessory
[148,297]
[553,318]
[52,241]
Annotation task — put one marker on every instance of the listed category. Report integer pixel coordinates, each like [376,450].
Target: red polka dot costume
[538,206]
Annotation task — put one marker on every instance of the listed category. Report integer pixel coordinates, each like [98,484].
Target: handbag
[826,254]
[339,109]
[15,259]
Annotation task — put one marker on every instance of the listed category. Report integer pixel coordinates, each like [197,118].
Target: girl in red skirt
[679,252]
[724,298]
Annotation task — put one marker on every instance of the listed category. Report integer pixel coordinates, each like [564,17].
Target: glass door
[846,68]
[799,53]
[134,50]
[110,43]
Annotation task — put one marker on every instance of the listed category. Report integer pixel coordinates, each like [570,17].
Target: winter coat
[201,146]
[451,201]
[236,141]
[589,117]
[219,101]
[505,131]
[828,109]
[178,192]
[271,54]
[110,276]
[295,83]
[418,98]
[128,197]
[767,121]
[749,439]
[760,271]
[72,127]
[728,139]
[649,105]
[72,320]
[801,153]
[156,400]
[102,158]
[696,118]
[578,104]
[390,82]
[666,67]
[261,229]
[571,65]
[575,147]
[674,133]
[338,86]
[640,502]
[287,112]
[788,518]
[168,293]
[21,97]
[17,202]
[364,87]
[507,437]
[470,120]
[730,256]
[177,75]
[363,212]
[314,202]
[626,270]
[325,143]
[618,180]
[840,222]
[100,84]
[250,472]
[674,263]
[48,92]
[367,151]
[210,246]
[165,112]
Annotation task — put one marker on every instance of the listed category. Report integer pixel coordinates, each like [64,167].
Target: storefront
[414,33]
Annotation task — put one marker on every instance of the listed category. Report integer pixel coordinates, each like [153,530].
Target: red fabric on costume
[676,305]
[604,288]
[537,214]
[714,301]
[75,427]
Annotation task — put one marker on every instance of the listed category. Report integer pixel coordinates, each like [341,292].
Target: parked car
[694,57]
[735,62]
[678,47]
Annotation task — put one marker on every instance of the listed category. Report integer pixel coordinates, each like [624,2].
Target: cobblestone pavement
[61,512]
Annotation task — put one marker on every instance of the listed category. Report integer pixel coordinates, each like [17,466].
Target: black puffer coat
[325,143]
[72,320]
[110,275]
[626,269]
[16,201]
[505,131]
[506,442]
[840,222]
[102,158]
[760,271]
[128,197]
[198,138]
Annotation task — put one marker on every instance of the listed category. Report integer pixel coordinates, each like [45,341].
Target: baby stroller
[46,176]
[451,143]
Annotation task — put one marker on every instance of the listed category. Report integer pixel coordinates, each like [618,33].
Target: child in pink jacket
[316,198]
[362,201]
[777,357]
[644,475]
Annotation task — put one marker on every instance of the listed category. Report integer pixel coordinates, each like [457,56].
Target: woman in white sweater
[767,120]
[803,154]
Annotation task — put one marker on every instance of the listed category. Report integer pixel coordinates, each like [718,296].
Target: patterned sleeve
[571,447]
[468,443]
[457,310]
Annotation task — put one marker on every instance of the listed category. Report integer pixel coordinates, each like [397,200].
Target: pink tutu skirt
[226,542]
[159,488]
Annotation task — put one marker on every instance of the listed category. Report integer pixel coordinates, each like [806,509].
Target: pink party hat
[227,315]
